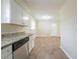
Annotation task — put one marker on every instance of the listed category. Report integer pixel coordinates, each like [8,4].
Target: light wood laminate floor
[47,48]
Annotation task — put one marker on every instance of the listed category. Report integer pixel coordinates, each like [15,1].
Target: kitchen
[35,29]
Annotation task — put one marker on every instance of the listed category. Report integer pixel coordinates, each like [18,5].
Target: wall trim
[66,53]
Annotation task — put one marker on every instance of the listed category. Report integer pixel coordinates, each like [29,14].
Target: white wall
[68,28]
[46,28]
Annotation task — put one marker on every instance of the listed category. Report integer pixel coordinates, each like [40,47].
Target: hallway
[47,48]
[39,29]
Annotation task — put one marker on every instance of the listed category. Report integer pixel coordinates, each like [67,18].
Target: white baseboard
[66,53]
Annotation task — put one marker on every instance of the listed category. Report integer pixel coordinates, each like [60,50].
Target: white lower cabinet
[31,42]
[6,52]
[9,57]
[27,47]
[30,45]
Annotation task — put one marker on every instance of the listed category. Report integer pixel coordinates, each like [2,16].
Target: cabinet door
[6,51]
[9,57]
[16,12]
[19,14]
[5,11]
[25,18]
[31,43]
[33,40]
[27,47]
[13,12]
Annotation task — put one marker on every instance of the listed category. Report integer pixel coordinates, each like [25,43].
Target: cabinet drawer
[6,51]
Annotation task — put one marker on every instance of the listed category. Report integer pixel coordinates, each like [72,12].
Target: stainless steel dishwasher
[21,49]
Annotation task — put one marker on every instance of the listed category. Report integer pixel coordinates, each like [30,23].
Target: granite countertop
[10,39]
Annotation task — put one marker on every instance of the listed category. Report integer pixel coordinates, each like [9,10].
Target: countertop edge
[5,45]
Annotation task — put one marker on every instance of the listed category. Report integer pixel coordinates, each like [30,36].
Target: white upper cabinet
[26,18]
[5,11]
[16,13]
[12,12]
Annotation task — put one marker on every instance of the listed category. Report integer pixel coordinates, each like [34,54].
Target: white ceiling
[42,7]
